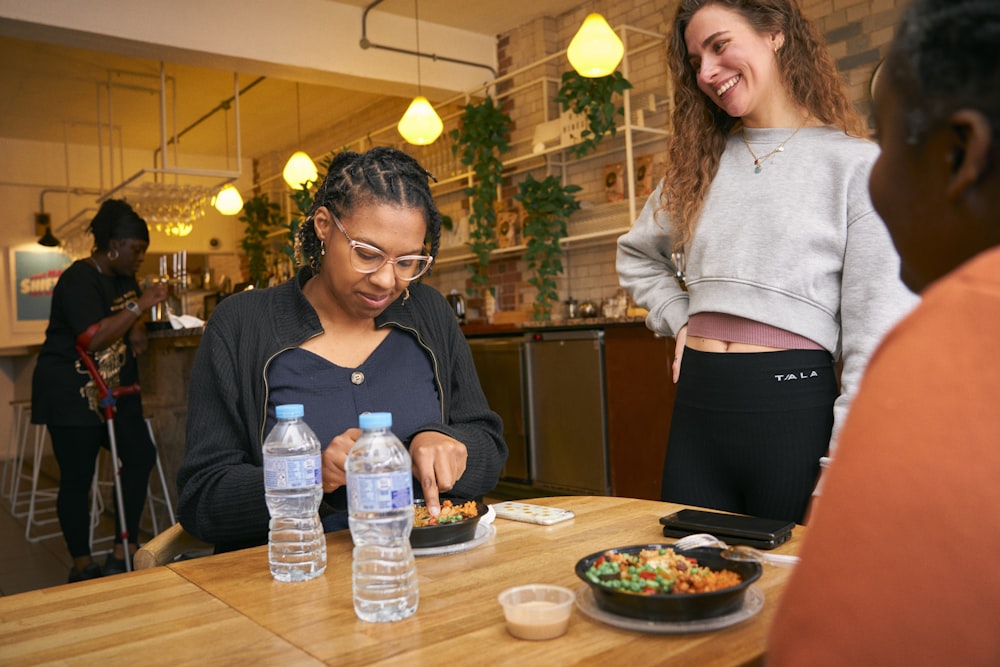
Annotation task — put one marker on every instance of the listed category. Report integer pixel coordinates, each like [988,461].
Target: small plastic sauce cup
[537,611]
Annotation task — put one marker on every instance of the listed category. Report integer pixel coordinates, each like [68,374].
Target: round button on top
[357,377]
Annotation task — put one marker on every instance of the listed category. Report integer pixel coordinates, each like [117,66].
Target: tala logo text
[802,375]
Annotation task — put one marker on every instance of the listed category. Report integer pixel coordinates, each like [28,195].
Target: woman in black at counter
[100,289]
[353,332]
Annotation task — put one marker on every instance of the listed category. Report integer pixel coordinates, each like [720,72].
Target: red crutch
[108,399]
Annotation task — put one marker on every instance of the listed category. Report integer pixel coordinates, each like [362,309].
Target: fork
[737,552]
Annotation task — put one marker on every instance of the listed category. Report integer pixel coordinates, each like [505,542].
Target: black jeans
[76,449]
[748,430]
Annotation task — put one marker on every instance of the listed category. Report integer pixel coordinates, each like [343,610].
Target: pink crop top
[733,329]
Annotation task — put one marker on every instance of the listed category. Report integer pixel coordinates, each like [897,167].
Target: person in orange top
[899,561]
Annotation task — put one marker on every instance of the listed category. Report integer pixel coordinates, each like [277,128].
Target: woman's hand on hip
[679,352]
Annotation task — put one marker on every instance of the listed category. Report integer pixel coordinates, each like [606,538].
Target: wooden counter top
[478,329]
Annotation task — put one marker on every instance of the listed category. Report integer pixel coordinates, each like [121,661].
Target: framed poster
[33,275]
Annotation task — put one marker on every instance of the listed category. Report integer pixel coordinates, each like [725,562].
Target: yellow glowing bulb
[420,124]
[228,201]
[300,171]
[595,49]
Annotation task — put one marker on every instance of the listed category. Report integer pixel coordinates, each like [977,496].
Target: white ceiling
[51,91]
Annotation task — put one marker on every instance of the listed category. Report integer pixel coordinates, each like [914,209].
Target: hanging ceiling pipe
[366,43]
[232,100]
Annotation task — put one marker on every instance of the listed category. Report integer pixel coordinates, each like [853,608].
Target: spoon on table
[736,552]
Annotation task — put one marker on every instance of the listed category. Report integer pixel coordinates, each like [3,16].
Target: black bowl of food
[655,582]
[456,523]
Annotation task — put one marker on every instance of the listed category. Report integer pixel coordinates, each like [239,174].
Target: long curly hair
[701,128]
[381,175]
[944,57]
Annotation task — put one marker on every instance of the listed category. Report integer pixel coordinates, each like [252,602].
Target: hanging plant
[592,97]
[547,207]
[480,139]
[261,216]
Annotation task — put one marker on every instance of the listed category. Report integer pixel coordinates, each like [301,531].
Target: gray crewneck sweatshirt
[797,246]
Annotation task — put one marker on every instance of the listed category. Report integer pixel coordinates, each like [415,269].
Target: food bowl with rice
[654,582]
[456,523]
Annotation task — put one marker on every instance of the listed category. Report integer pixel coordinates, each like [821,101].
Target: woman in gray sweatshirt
[761,254]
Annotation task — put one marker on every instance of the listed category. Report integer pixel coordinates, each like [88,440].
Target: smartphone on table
[730,528]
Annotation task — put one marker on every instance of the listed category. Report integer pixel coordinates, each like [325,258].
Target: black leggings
[76,449]
[748,430]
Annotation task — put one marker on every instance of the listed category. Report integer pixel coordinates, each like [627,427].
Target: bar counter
[226,609]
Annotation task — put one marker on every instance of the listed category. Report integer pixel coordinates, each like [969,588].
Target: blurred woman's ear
[322,221]
[970,144]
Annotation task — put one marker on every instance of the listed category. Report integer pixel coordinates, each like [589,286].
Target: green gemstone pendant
[757,168]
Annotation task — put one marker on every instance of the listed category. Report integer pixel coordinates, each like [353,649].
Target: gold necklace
[758,161]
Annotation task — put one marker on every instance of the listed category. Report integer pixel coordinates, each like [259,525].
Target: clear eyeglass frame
[366,258]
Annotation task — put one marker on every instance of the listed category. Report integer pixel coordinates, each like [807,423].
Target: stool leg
[163,483]
[22,448]
[13,440]
[35,493]
[97,506]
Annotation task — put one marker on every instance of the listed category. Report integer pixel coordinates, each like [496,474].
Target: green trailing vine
[481,137]
[592,97]
[261,216]
[547,207]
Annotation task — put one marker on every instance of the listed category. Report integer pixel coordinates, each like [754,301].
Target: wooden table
[227,609]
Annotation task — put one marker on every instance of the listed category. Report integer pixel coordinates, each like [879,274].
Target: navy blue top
[397,377]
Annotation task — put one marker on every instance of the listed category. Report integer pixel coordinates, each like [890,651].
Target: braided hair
[381,175]
[944,57]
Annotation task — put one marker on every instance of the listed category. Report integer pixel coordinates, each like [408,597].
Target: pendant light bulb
[228,201]
[420,125]
[595,50]
[300,171]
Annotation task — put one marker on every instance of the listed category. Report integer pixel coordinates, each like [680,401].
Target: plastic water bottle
[293,486]
[380,502]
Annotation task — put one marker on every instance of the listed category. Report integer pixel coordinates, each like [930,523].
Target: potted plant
[480,139]
[592,97]
[261,216]
[547,206]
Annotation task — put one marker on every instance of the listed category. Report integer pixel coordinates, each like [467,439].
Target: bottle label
[292,472]
[384,491]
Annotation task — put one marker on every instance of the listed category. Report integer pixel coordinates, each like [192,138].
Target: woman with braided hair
[355,331]
[761,254]
[897,566]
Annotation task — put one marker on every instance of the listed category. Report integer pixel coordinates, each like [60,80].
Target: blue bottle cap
[290,411]
[367,420]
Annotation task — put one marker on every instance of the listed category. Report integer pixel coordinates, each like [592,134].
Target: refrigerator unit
[566,411]
[499,364]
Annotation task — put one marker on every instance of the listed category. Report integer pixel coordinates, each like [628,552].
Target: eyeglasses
[369,259]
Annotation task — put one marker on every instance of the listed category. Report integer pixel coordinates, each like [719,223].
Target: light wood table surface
[203,609]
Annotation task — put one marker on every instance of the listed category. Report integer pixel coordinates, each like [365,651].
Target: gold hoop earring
[406,294]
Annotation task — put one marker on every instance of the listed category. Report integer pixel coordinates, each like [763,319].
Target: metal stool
[35,495]
[103,479]
[19,422]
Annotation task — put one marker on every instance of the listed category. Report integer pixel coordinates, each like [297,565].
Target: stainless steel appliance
[566,410]
[499,363]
